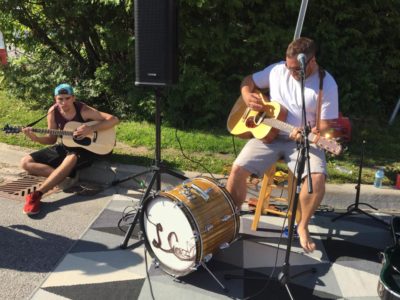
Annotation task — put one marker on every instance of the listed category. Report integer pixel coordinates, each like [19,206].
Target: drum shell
[214,221]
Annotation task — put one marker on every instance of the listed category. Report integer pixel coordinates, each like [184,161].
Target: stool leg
[263,197]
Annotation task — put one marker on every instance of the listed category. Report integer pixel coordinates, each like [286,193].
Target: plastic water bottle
[378,178]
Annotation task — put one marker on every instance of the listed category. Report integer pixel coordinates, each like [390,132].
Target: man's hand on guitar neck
[45,140]
[297,133]
[29,133]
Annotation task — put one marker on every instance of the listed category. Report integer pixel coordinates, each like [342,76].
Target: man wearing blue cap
[57,162]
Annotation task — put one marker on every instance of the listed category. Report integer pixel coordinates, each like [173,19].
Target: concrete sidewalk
[338,196]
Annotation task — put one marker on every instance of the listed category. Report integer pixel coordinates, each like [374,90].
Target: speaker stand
[157,169]
[354,208]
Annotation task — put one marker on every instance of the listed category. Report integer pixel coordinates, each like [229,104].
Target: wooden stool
[265,196]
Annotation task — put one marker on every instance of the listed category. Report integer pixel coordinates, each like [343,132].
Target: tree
[91,45]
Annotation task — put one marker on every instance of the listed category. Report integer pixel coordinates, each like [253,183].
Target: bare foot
[306,241]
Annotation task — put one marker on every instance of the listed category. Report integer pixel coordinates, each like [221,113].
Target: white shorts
[256,156]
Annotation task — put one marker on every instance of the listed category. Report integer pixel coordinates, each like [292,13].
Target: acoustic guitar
[247,123]
[99,142]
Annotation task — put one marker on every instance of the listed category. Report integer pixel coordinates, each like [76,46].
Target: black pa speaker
[156,42]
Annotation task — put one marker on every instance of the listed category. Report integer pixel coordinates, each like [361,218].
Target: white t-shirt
[286,90]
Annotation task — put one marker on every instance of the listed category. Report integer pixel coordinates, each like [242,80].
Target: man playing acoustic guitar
[283,81]
[59,161]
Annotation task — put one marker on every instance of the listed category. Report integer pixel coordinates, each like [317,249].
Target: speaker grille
[156,42]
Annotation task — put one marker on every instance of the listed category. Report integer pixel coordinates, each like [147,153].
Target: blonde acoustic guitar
[265,125]
[99,142]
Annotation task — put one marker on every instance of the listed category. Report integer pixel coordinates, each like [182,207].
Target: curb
[338,196]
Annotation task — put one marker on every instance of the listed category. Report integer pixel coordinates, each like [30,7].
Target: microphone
[301,58]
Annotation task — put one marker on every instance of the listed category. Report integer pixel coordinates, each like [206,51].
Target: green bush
[219,43]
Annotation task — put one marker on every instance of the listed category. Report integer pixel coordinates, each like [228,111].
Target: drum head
[169,235]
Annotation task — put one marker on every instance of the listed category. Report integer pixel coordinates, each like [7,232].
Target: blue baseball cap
[64,89]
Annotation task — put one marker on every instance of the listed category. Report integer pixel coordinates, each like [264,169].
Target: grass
[215,150]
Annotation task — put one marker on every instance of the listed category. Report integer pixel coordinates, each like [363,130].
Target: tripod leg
[358,210]
[135,219]
[311,270]
[115,182]
[349,212]
[373,217]
[289,292]
[369,205]
[130,230]
[175,174]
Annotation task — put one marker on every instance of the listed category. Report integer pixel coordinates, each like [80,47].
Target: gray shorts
[256,156]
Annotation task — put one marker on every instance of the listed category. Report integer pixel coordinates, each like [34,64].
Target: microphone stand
[304,148]
[284,276]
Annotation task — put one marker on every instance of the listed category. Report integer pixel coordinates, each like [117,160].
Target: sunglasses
[297,70]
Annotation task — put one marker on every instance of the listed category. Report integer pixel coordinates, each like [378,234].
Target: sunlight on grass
[214,150]
[143,134]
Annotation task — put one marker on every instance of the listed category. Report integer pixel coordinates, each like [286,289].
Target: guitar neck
[53,131]
[278,124]
[329,145]
[284,127]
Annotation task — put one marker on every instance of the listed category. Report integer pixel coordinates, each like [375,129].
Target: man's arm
[252,99]
[105,121]
[46,139]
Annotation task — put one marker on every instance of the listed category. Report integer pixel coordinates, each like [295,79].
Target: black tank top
[61,120]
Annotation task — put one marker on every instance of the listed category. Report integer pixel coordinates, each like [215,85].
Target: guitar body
[244,122]
[101,142]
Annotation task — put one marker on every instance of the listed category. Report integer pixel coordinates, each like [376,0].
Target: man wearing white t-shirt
[283,80]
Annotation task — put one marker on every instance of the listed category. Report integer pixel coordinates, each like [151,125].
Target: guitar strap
[321,72]
[37,121]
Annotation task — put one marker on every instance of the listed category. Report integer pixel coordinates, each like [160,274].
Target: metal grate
[19,188]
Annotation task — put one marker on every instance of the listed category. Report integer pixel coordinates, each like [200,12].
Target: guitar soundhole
[84,142]
[250,123]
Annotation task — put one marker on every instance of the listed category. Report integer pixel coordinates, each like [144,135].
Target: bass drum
[184,227]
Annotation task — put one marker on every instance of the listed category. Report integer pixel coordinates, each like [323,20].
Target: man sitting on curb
[57,162]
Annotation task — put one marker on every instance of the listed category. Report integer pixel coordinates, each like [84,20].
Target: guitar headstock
[11,129]
[329,145]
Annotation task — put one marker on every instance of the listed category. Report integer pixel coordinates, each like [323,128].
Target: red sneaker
[32,203]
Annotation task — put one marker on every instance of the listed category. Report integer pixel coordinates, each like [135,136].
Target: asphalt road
[30,248]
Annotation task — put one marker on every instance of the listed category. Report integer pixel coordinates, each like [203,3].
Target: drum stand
[157,169]
[353,208]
